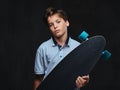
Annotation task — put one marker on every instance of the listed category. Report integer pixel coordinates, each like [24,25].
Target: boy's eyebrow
[58,19]
[55,20]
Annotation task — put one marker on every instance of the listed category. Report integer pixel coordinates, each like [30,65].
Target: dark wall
[22,31]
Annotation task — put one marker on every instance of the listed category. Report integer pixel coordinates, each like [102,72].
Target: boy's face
[57,25]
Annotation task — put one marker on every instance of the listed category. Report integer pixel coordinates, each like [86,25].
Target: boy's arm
[37,81]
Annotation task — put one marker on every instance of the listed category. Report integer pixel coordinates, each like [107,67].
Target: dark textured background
[22,31]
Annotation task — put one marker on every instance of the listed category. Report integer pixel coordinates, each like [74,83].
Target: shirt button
[60,56]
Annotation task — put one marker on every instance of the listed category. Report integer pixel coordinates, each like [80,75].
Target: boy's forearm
[36,84]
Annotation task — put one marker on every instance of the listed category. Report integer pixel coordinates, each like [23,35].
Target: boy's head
[50,11]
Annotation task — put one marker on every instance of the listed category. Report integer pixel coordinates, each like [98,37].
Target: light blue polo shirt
[49,54]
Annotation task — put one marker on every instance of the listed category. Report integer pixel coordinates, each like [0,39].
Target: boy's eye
[58,21]
[50,25]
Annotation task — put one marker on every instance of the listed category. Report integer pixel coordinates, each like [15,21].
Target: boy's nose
[55,26]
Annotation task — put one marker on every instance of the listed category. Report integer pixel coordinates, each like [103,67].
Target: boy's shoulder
[45,43]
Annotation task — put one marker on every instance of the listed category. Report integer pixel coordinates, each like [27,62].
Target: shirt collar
[67,43]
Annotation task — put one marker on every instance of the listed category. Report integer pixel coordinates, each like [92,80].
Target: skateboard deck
[80,61]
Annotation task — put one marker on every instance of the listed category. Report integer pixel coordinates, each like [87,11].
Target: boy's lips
[56,31]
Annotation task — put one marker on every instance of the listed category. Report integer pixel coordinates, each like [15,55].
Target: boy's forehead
[54,17]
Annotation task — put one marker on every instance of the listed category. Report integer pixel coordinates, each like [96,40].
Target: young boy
[56,48]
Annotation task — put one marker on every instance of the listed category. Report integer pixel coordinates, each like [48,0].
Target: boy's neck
[62,40]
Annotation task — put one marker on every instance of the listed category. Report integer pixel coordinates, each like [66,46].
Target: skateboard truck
[84,36]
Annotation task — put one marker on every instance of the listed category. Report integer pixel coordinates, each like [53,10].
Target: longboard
[80,61]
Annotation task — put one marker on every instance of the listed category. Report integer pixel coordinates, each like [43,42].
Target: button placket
[61,53]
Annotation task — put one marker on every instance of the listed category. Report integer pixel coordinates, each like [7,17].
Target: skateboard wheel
[83,36]
[106,54]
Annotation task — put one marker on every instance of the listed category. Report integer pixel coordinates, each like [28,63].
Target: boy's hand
[82,81]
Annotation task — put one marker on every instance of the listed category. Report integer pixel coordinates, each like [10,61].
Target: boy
[56,48]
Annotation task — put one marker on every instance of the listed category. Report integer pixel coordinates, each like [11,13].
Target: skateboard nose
[84,36]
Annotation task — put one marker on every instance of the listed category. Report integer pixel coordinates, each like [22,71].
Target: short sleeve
[39,62]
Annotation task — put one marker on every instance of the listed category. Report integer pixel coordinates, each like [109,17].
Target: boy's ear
[67,23]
